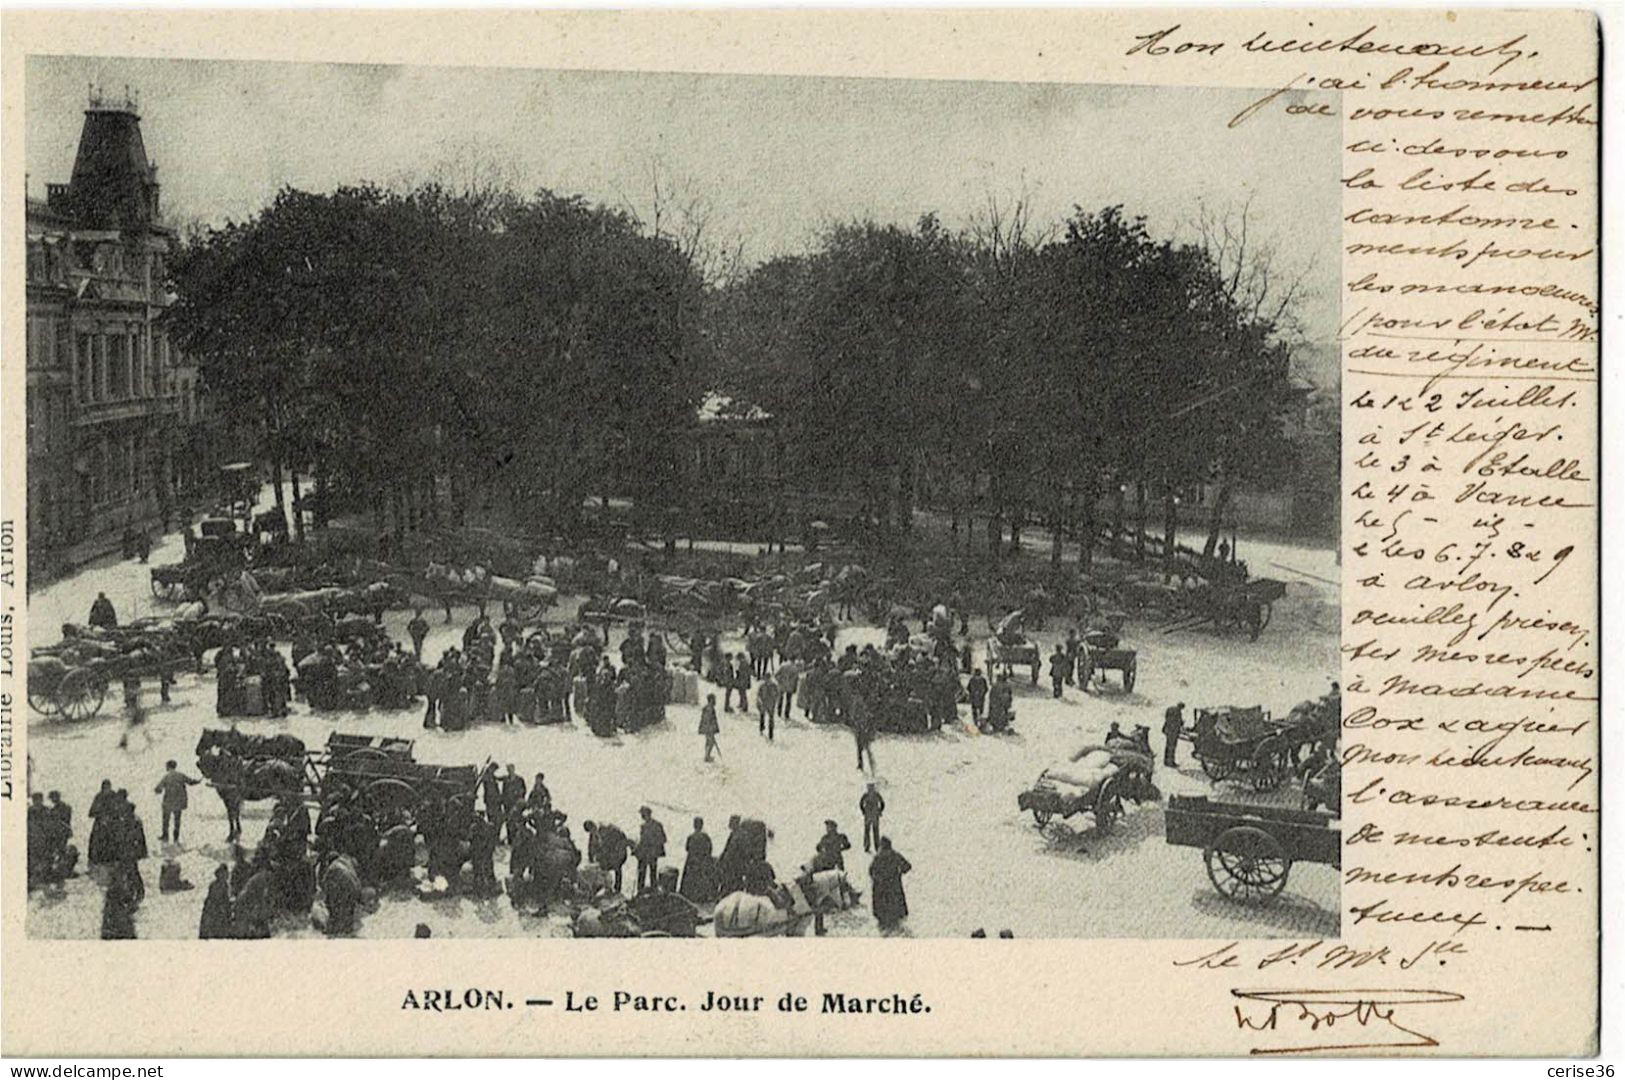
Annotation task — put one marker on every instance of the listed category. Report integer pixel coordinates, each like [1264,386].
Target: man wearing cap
[1173,722]
[651,846]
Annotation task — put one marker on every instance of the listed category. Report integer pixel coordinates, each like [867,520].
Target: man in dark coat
[731,866]
[1173,722]
[513,797]
[998,704]
[491,791]
[418,629]
[871,806]
[216,919]
[607,848]
[699,882]
[102,616]
[651,846]
[1059,670]
[976,691]
[831,846]
[482,844]
[886,879]
[709,727]
[118,910]
[863,730]
[103,807]
[173,787]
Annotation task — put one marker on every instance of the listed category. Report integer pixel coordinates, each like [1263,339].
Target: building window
[64,340]
[104,388]
[85,382]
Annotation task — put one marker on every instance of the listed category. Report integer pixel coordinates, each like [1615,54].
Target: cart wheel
[1042,817]
[1255,620]
[364,753]
[158,588]
[1218,768]
[1128,676]
[1268,767]
[390,795]
[1108,804]
[1247,864]
[40,699]
[1264,615]
[79,696]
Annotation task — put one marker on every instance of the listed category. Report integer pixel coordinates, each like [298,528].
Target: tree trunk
[1221,503]
[1170,524]
[1086,542]
[1139,532]
[321,493]
[276,485]
[1057,527]
[1119,528]
[298,515]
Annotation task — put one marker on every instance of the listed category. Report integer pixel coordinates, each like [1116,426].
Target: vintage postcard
[777,533]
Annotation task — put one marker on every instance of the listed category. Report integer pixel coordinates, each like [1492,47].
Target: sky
[775,158]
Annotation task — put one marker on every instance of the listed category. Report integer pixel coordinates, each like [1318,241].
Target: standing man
[173,788]
[767,707]
[998,704]
[102,616]
[976,691]
[741,682]
[871,806]
[1059,670]
[886,881]
[831,847]
[1173,722]
[708,726]
[651,846]
[789,679]
[418,628]
[863,731]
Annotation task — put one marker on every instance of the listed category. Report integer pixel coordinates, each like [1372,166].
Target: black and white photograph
[503,503]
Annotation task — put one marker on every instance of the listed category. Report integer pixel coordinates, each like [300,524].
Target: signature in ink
[1319,1020]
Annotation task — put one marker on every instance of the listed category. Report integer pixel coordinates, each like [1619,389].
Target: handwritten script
[1469,388]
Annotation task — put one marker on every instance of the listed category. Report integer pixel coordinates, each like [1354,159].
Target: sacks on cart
[743,914]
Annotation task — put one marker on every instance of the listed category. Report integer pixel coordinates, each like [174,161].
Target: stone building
[117,436]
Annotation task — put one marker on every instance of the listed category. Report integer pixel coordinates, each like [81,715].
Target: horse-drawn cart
[69,680]
[1101,653]
[211,561]
[1009,648]
[380,770]
[1243,744]
[1244,605]
[1096,779]
[1249,850]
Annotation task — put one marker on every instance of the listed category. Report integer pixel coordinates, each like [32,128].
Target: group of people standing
[539,678]
[252,680]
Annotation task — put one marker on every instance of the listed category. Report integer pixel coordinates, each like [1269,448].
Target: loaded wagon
[211,561]
[381,771]
[70,679]
[1244,605]
[1096,779]
[1009,647]
[384,775]
[1249,850]
[1242,744]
